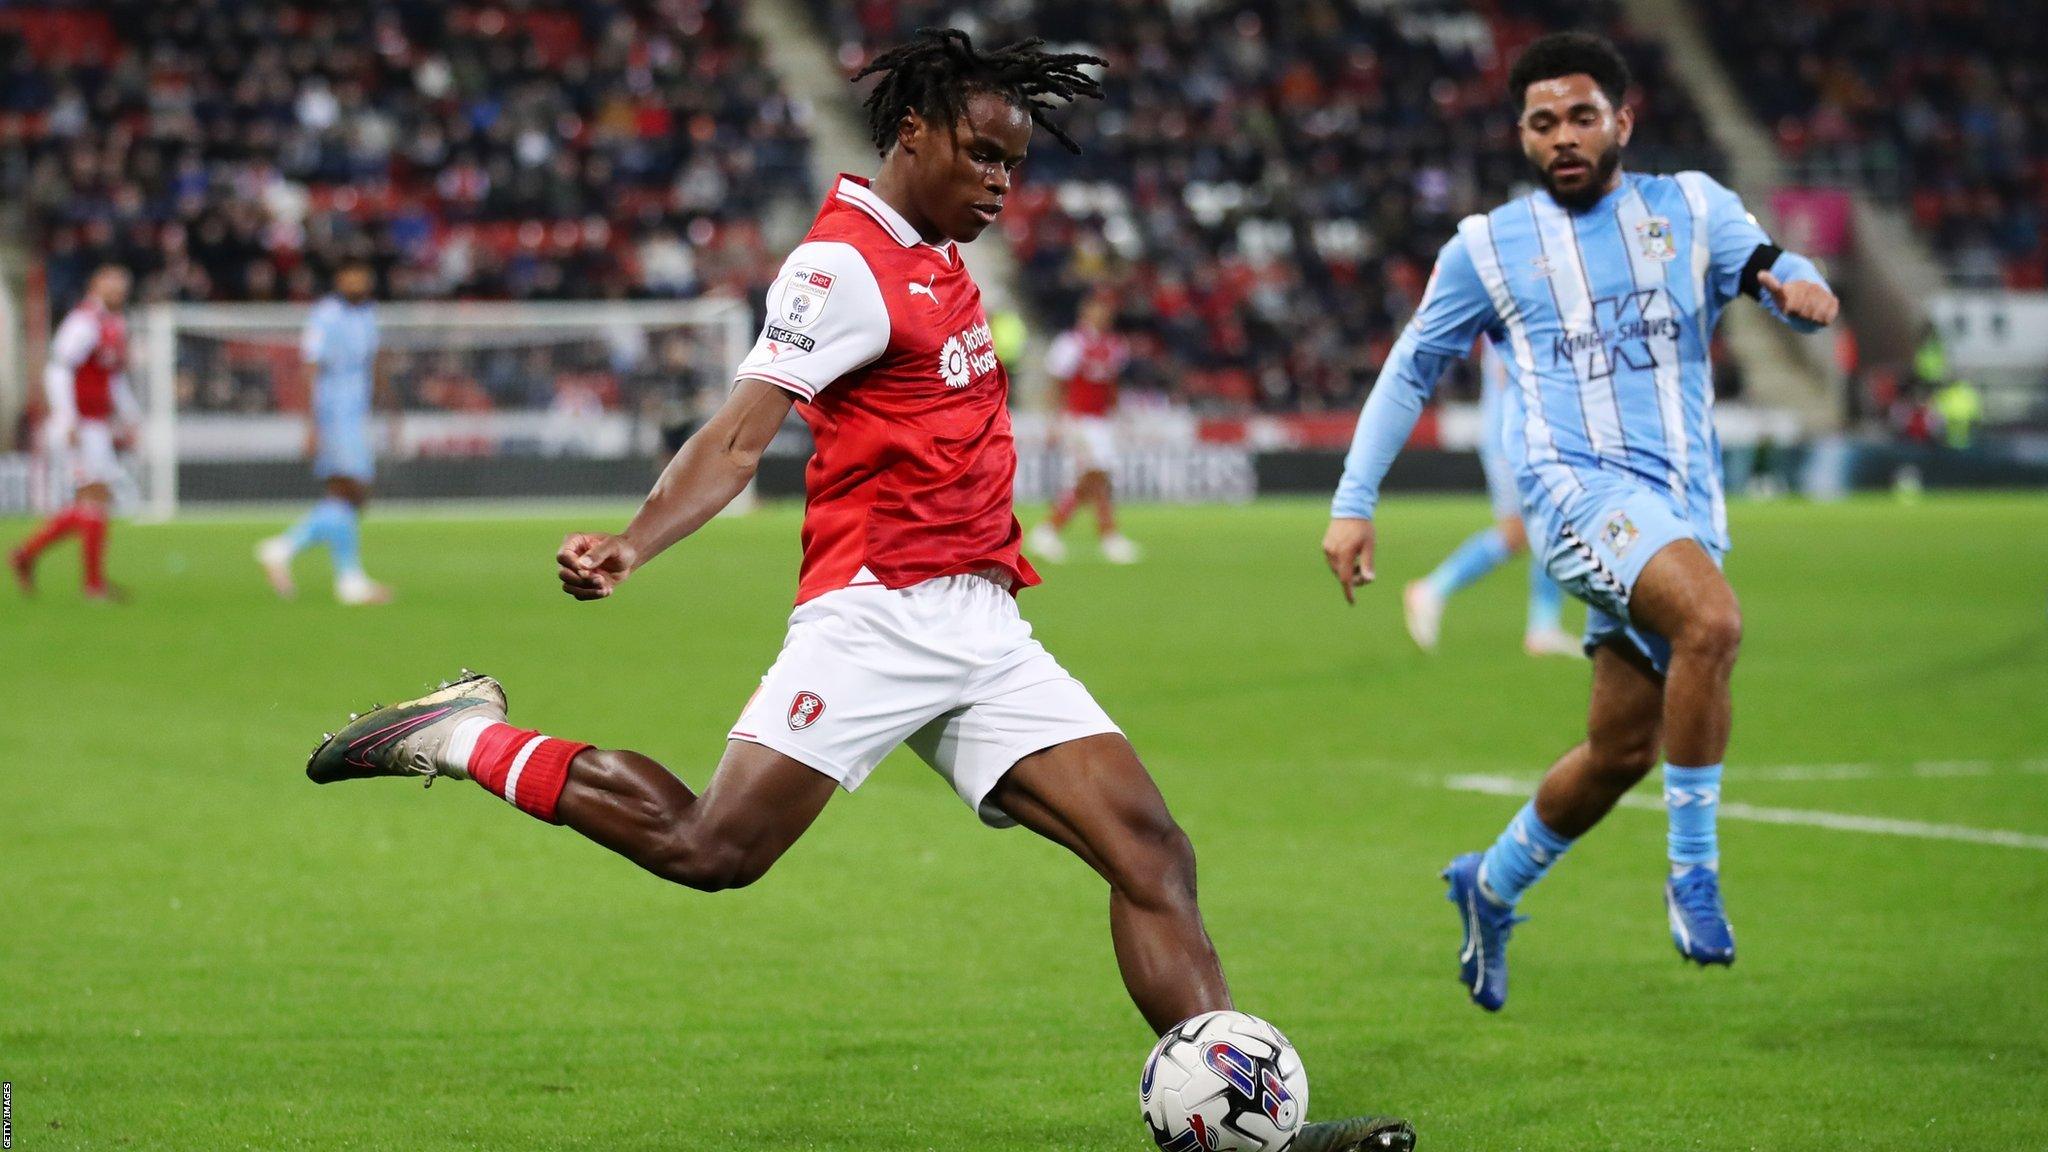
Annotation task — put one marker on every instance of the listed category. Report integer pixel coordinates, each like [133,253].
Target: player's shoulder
[1486,227]
[825,265]
[1691,187]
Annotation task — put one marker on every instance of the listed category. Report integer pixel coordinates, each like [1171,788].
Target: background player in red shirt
[906,628]
[91,409]
[1086,363]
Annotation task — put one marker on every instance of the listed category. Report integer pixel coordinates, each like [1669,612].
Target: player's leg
[1623,727]
[95,501]
[322,524]
[1069,502]
[100,467]
[1683,597]
[1099,444]
[1044,542]
[62,461]
[1422,602]
[346,497]
[1580,788]
[1543,631]
[1093,796]
[22,557]
[758,803]
[1117,548]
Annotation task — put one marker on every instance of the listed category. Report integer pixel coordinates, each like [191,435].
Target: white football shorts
[92,460]
[947,666]
[1090,442]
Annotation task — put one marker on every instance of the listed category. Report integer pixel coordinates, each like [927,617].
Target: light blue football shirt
[1602,319]
[341,344]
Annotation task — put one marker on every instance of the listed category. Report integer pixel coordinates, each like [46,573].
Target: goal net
[495,401]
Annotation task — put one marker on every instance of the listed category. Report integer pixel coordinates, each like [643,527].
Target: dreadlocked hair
[934,72]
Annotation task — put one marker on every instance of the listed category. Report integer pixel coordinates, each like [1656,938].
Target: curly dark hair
[1570,54]
[934,72]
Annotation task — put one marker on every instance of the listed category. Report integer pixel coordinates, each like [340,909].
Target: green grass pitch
[200,950]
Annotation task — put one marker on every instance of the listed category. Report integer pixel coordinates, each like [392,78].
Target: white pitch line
[1920,769]
[1806,817]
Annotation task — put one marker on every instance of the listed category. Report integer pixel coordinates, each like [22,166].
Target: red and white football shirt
[88,357]
[883,338]
[1087,365]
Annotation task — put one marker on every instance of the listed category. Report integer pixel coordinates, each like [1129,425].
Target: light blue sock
[308,531]
[1546,600]
[343,539]
[1692,796]
[1524,852]
[1478,555]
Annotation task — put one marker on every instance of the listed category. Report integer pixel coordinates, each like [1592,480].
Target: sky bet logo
[1620,337]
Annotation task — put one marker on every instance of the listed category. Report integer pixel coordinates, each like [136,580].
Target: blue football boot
[1699,927]
[1483,961]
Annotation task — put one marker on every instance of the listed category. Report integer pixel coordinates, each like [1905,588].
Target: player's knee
[1621,759]
[1714,631]
[1158,869]
[708,865]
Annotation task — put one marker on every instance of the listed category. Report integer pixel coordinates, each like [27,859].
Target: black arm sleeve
[1760,261]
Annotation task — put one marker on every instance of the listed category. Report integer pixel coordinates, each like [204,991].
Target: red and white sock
[57,527]
[1063,510]
[522,766]
[92,535]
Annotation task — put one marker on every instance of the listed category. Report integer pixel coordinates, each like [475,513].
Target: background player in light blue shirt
[1600,290]
[1422,602]
[340,346]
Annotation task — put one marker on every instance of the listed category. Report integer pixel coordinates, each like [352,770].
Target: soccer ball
[1224,1082]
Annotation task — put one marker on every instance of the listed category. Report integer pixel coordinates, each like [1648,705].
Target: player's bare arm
[1347,548]
[712,468]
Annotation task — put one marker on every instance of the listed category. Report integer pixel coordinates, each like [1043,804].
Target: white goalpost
[496,400]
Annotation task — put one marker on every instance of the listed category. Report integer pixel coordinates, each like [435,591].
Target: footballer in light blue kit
[340,346]
[1422,602]
[1600,290]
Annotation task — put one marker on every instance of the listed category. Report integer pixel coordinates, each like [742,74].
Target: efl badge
[805,296]
[804,711]
[1620,533]
[1653,237]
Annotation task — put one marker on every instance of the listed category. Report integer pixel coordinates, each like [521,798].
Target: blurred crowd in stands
[1262,191]
[1266,185]
[1942,104]
[528,150]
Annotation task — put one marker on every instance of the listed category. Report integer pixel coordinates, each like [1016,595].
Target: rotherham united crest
[804,711]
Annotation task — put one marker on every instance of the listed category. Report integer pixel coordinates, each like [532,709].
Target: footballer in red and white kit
[906,629]
[1086,363]
[909,536]
[90,410]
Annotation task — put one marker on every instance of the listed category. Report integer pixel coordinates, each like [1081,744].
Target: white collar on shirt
[863,197]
